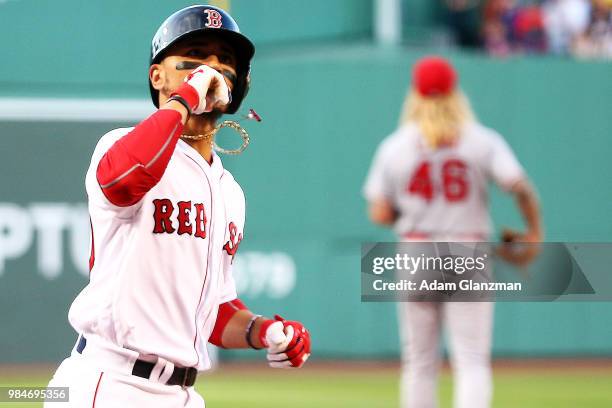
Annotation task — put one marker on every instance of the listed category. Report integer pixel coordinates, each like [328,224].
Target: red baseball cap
[433,76]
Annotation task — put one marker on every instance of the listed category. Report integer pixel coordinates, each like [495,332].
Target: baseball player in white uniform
[428,180]
[167,220]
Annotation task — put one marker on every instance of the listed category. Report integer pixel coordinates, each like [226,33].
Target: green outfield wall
[93,47]
[325,108]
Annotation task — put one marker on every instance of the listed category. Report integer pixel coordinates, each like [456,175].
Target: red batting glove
[287,342]
[204,89]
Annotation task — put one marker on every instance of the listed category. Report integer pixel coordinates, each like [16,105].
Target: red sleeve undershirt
[137,161]
[227,310]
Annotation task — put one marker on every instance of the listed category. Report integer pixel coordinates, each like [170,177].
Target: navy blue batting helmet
[203,19]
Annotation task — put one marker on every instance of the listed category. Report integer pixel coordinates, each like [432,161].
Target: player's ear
[157,76]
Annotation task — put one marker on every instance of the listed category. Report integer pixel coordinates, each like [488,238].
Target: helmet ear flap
[240,91]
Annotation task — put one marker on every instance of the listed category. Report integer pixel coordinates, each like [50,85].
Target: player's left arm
[521,248]
[236,327]
[287,342]
[528,204]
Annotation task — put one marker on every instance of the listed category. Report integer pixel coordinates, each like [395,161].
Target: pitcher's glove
[518,248]
[287,342]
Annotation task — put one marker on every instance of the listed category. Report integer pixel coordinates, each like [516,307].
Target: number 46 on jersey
[455,186]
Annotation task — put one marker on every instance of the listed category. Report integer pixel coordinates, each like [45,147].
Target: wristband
[248,331]
[182,101]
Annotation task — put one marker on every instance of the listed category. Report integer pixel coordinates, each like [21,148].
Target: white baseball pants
[469,326]
[100,379]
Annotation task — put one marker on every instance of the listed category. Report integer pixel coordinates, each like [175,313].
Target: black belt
[183,376]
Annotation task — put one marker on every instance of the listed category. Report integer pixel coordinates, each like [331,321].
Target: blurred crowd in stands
[581,28]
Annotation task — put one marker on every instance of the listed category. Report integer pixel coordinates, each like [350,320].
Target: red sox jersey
[443,191]
[161,266]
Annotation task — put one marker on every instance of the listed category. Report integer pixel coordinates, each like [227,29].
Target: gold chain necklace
[205,136]
[226,123]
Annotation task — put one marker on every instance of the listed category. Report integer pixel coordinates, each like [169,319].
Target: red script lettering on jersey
[163,218]
[231,246]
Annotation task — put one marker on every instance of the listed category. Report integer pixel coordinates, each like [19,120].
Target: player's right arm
[135,163]
[381,211]
[378,189]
